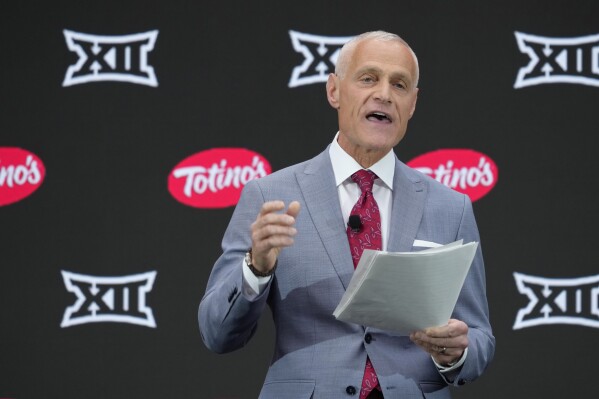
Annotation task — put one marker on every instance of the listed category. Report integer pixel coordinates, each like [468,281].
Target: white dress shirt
[344,166]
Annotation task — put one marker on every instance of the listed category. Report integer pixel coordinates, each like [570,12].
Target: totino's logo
[558,301]
[320,56]
[467,171]
[111,58]
[21,173]
[558,60]
[214,178]
[109,299]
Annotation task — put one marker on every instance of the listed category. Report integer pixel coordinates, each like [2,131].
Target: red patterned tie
[368,236]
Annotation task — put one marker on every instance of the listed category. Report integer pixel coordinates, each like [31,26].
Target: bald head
[347,51]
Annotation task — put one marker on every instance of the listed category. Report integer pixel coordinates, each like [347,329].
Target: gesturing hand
[271,232]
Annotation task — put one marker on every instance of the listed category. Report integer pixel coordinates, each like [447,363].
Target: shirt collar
[344,165]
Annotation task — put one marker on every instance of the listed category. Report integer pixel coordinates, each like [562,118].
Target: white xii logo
[119,299]
[558,60]
[111,58]
[558,301]
[320,57]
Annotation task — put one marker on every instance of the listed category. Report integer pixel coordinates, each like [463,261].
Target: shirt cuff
[446,369]
[252,284]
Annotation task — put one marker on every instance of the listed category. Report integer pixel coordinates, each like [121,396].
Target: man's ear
[333,90]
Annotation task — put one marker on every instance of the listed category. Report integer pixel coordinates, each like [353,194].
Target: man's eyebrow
[368,69]
[405,76]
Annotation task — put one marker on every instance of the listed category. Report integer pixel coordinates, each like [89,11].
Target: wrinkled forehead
[390,55]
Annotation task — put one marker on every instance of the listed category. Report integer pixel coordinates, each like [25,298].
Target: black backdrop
[223,68]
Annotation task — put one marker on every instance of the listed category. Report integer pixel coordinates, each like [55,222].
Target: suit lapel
[317,183]
[409,192]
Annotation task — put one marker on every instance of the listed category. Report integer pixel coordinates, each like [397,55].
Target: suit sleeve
[472,306]
[227,319]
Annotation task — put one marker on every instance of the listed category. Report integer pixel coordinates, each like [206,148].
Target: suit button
[350,390]
[461,382]
[368,338]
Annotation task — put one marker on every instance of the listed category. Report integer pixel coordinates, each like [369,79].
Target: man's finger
[271,206]
[273,230]
[294,208]
[274,218]
[437,332]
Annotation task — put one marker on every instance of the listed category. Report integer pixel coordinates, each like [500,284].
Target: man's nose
[383,93]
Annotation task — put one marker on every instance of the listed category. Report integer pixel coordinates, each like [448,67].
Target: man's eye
[367,79]
[400,85]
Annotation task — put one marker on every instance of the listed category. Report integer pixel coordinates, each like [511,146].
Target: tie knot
[365,179]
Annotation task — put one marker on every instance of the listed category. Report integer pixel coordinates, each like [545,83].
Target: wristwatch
[248,262]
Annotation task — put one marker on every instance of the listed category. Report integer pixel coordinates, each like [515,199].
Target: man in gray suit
[299,262]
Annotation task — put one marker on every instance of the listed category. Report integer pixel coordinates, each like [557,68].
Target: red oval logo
[467,171]
[21,173]
[214,178]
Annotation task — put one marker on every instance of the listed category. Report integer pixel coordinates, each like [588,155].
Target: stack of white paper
[406,291]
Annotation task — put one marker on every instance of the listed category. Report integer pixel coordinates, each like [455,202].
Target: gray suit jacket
[315,355]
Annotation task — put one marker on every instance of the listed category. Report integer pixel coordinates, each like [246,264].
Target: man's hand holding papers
[413,293]
[446,344]
[406,291]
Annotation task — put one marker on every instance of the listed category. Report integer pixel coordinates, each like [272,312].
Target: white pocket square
[426,244]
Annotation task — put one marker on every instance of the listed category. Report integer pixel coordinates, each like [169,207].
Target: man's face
[375,98]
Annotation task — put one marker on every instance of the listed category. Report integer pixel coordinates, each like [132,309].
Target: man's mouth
[378,117]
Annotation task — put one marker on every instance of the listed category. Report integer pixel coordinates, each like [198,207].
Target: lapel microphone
[354,223]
